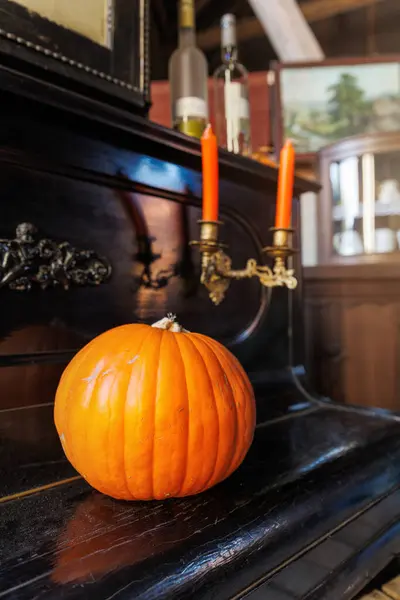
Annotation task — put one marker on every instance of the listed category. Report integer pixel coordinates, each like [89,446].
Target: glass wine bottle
[231,89]
[188,73]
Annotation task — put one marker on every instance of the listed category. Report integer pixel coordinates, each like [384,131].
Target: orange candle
[209,155]
[285,187]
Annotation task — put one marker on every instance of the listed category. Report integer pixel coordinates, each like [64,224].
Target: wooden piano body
[314,510]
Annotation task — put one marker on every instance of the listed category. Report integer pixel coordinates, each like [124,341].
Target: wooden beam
[317,10]
[313,10]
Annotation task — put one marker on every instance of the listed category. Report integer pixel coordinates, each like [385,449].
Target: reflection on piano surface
[184,268]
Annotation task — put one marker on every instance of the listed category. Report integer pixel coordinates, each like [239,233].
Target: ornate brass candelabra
[216,265]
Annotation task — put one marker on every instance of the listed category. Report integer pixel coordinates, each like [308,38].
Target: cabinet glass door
[366,204]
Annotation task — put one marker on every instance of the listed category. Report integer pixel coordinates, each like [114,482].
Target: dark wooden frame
[377,143]
[276,97]
[120,75]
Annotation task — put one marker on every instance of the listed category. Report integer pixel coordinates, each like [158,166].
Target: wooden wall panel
[353,333]
[370,337]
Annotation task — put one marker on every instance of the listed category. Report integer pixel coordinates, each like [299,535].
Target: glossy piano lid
[306,473]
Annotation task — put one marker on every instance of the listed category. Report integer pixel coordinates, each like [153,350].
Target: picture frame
[308,106]
[105,56]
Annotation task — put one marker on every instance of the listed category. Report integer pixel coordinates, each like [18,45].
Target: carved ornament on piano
[28,261]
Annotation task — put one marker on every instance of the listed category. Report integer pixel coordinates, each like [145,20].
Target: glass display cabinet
[359,209]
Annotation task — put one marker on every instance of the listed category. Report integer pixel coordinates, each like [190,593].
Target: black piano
[98,208]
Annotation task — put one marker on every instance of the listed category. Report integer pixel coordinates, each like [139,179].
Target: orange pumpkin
[154,412]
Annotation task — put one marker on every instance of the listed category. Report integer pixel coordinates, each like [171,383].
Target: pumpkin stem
[169,323]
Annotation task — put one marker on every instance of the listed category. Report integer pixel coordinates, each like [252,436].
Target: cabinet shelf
[381,210]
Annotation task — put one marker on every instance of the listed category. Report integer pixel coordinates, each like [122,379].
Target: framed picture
[317,104]
[100,46]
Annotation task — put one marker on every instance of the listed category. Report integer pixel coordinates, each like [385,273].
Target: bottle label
[237,116]
[191,107]
[244,109]
[236,105]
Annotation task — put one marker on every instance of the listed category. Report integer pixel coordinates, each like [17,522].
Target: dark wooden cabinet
[353,333]
[352,298]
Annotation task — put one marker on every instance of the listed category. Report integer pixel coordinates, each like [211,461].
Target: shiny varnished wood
[61,187]
[296,487]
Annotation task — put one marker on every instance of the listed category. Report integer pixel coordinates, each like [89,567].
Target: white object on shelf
[350,192]
[348,243]
[389,192]
[385,240]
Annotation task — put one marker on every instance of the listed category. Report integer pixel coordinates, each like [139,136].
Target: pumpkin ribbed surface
[150,413]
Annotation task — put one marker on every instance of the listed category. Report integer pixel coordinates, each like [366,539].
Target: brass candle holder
[216,265]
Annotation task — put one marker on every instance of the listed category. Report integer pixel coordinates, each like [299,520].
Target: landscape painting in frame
[323,104]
